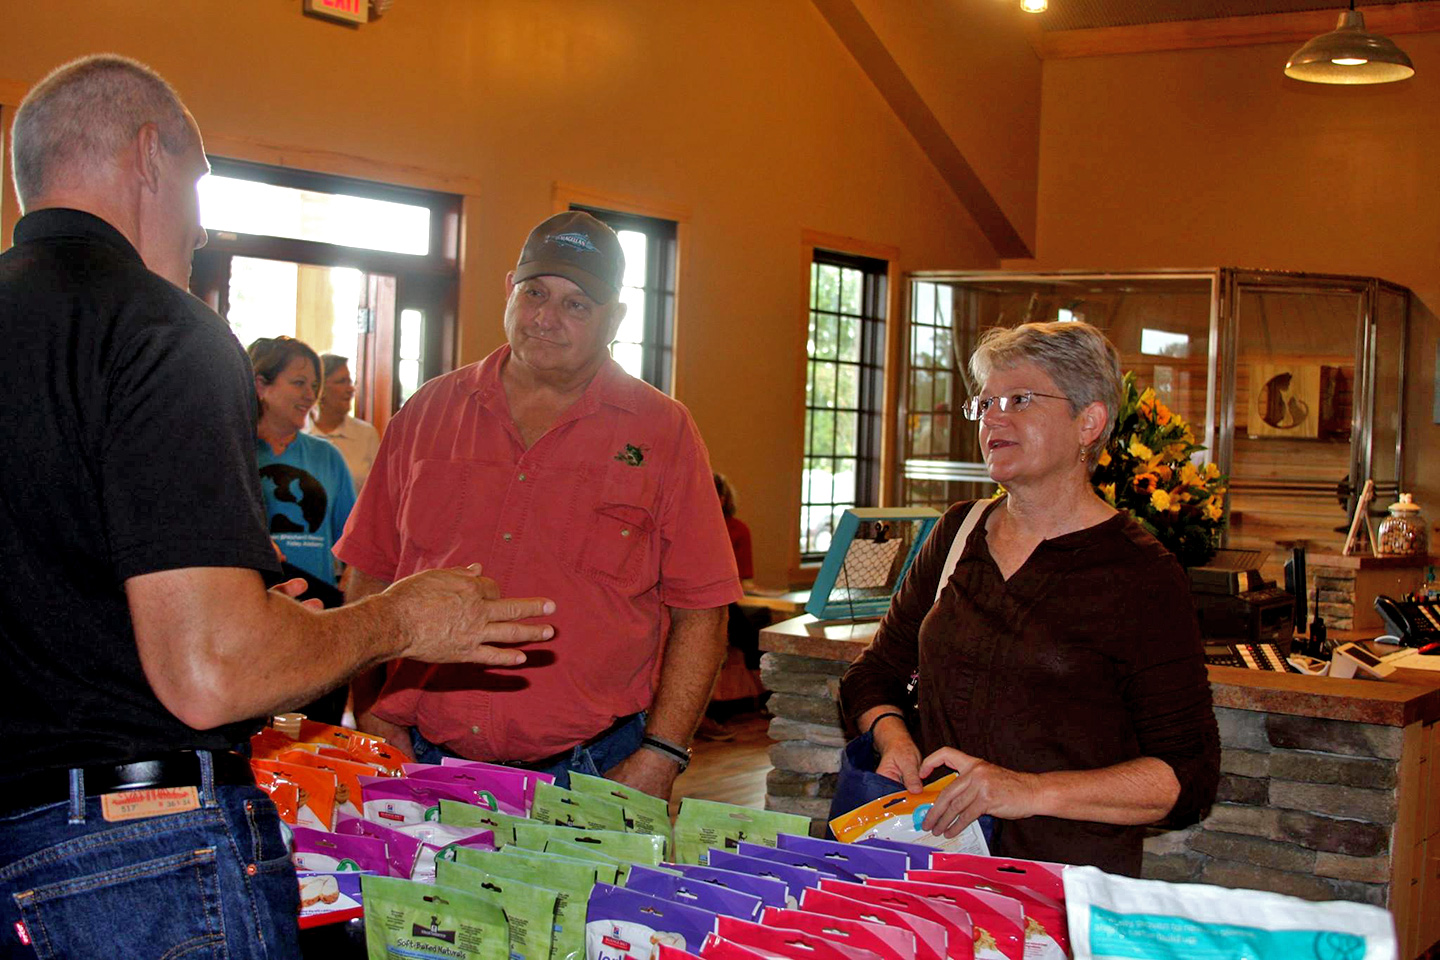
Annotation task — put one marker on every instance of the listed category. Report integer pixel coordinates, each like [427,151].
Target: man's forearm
[694,653]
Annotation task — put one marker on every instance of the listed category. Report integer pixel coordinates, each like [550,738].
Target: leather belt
[179,769]
[565,754]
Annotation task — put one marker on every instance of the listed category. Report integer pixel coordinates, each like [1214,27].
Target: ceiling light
[1348,54]
[1033,6]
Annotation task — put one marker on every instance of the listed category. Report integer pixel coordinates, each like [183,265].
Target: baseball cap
[578,247]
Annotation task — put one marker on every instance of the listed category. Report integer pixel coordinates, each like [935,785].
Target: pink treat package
[959,933]
[1040,876]
[400,849]
[319,850]
[1044,918]
[931,939]
[889,942]
[789,943]
[718,948]
[392,801]
[998,920]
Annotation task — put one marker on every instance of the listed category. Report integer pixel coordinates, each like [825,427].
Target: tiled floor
[732,771]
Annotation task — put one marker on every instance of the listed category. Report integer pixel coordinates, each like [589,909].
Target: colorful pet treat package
[789,857]
[529,777]
[315,791]
[418,921]
[607,869]
[347,775]
[998,921]
[401,850]
[787,942]
[959,930]
[887,942]
[1121,917]
[643,813]
[862,862]
[321,851]
[718,948]
[529,909]
[1047,879]
[633,847]
[694,893]
[667,952]
[1047,935]
[796,879]
[702,824]
[931,937]
[284,793]
[504,791]
[570,809]
[459,814]
[920,855]
[439,841]
[571,881]
[898,816]
[769,891]
[625,925]
[329,897]
[396,800]
[377,753]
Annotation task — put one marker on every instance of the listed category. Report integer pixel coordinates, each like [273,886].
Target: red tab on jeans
[22,933]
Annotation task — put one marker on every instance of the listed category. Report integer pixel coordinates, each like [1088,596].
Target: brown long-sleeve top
[1088,656]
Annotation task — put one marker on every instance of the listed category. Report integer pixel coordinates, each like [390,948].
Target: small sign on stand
[1360,538]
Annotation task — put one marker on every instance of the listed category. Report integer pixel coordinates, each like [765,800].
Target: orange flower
[1146,483]
[1162,471]
[1162,414]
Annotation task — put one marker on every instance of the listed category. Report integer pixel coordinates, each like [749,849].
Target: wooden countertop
[1409,696]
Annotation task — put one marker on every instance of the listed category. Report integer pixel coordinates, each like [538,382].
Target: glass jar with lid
[1403,533]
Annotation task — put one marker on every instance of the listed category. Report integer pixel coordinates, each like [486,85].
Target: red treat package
[718,948]
[666,952]
[999,921]
[794,944]
[888,942]
[959,932]
[1046,925]
[930,937]
[1042,877]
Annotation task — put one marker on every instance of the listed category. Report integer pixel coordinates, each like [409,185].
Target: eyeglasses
[977,407]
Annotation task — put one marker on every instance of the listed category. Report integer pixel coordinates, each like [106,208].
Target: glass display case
[1294,381]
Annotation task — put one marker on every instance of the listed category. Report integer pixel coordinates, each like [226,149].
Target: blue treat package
[693,893]
[918,853]
[863,862]
[625,924]
[796,879]
[794,859]
[770,891]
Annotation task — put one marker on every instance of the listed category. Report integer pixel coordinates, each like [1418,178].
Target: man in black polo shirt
[138,638]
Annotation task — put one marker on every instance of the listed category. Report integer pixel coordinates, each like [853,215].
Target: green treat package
[458,814]
[606,871]
[424,922]
[601,860]
[572,881]
[529,910]
[643,813]
[569,809]
[703,824]
[645,848]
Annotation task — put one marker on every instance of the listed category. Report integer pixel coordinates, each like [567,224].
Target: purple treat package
[623,924]
[796,879]
[863,862]
[326,852]
[770,891]
[506,790]
[918,853]
[392,801]
[401,850]
[693,893]
[532,777]
[776,855]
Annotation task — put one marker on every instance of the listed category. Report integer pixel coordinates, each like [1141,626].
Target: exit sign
[345,11]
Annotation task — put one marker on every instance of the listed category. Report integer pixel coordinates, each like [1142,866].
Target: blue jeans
[594,759]
[214,883]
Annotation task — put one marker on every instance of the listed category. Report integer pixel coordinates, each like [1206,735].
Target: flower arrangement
[1146,471]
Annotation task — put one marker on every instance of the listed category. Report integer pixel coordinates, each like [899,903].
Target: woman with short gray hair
[1059,662]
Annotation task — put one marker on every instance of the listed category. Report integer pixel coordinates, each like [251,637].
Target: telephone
[1251,656]
[1415,622]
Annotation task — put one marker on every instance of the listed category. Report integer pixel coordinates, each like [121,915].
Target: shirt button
[474,729]
[522,478]
[505,537]
[624,533]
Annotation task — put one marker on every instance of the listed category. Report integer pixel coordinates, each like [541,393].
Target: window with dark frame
[844,394]
[644,344]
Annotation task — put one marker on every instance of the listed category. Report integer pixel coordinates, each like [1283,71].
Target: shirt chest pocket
[619,533]
[440,511]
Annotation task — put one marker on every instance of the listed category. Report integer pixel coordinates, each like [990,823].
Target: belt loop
[207,777]
[77,796]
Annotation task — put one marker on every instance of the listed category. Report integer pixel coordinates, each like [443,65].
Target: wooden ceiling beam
[1296,28]
[895,87]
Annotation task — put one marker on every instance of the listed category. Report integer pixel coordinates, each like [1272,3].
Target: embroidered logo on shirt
[631,455]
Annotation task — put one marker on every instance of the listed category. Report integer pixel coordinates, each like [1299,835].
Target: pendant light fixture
[1348,54]
[1033,6]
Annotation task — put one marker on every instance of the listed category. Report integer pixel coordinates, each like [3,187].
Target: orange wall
[750,114]
[1215,158]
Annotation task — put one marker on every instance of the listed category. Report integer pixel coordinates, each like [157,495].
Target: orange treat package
[285,794]
[347,777]
[315,805]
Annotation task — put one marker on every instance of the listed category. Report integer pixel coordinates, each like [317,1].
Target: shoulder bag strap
[957,546]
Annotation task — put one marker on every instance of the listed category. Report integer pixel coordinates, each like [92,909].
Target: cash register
[1239,611]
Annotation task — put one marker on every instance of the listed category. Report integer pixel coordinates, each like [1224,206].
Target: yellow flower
[1162,471]
[1174,451]
[1211,471]
[1160,500]
[1213,511]
[1189,475]
[1104,461]
[1162,414]
[1148,397]
[1108,490]
[1138,449]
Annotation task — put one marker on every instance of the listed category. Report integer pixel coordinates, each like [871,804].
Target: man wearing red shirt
[555,469]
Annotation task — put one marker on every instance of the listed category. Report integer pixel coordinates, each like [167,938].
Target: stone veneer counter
[1328,789]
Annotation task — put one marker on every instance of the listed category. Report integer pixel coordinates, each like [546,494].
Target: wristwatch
[676,754]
